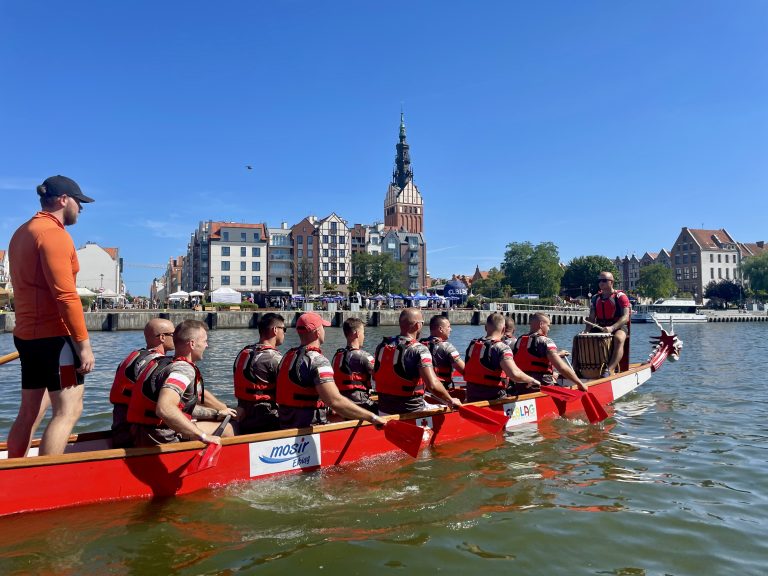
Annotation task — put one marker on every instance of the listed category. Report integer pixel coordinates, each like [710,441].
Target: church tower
[403,206]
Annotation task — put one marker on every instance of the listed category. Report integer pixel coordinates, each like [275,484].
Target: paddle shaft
[8,358]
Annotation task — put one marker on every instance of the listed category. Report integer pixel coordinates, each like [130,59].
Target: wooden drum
[591,353]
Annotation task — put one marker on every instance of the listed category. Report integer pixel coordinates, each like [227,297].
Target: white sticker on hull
[520,412]
[625,384]
[284,454]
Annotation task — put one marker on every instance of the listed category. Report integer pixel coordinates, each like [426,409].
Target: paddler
[255,374]
[169,403]
[489,362]
[404,369]
[353,366]
[445,357]
[537,355]
[305,382]
[158,335]
[610,310]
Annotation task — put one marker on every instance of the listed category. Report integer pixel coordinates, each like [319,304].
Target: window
[243,237]
[255,266]
[310,253]
[300,240]
[678,274]
[256,252]
[334,280]
[242,266]
[342,251]
[719,258]
[727,273]
[726,258]
[677,258]
[333,226]
[342,239]
[342,280]
[342,266]
[325,252]
[225,280]
[325,239]
[333,252]
[325,266]
[694,258]
[257,236]
[256,280]
[685,258]
[711,257]
[225,265]
[225,250]
[300,253]
[242,251]
[719,272]
[225,236]
[687,273]
[694,271]
[242,281]
[310,240]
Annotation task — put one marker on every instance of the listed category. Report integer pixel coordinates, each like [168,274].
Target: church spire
[403,173]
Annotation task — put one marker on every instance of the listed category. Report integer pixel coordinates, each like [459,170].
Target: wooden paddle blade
[206,458]
[493,422]
[405,436]
[8,358]
[595,412]
[565,394]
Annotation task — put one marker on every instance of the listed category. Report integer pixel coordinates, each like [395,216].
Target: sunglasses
[603,279]
[163,334]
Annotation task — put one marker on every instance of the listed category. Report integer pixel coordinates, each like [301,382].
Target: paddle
[208,457]
[594,411]
[486,419]
[405,436]
[564,394]
[8,358]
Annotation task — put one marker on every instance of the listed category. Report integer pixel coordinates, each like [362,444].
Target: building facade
[703,256]
[100,269]
[280,260]
[335,254]
[238,256]
[410,249]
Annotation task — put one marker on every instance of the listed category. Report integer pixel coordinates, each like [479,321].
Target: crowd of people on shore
[158,391]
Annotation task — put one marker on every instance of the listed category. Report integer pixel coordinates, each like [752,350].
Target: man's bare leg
[618,350]
[67,407]
[34,404]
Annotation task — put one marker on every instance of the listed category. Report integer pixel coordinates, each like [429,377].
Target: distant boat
[669,310]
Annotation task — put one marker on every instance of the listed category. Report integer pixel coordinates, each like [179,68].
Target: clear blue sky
[603,127]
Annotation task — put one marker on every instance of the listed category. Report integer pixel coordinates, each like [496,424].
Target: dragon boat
[92,471]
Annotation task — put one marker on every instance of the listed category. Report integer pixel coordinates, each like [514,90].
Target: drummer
[536,354]
[609,310]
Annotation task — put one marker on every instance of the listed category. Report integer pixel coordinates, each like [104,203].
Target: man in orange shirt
[50,332]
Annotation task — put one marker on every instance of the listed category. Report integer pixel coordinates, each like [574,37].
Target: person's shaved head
[159,331]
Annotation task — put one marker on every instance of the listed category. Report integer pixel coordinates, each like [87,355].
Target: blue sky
[603,127]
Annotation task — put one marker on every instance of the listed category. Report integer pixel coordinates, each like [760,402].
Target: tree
[305,277]
[724,290]
[494,286]
[755,270]
[656,281]
[580,277]
[377,273]
[533,269]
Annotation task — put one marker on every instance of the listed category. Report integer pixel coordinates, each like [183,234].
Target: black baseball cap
[61,185]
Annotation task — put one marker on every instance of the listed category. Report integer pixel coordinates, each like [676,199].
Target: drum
[591,353]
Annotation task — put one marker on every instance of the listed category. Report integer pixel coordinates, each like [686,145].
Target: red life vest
[291,391]
[125,376]
[246,386]
[477,365]
[143,405]
[444,373]
[344,377]
[389,371]
[527,359]
[607,310]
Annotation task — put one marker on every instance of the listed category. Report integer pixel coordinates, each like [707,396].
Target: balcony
[275,257]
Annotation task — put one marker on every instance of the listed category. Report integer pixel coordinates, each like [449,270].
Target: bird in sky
[249,167]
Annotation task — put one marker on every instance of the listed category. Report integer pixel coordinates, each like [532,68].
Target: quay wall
[135,319]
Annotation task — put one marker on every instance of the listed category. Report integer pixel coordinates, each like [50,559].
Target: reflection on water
[679,466]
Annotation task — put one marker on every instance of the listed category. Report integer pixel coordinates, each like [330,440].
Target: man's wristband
[203,437]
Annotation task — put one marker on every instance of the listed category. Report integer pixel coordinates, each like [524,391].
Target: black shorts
[49,363]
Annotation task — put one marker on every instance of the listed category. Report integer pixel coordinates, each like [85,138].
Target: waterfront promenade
[114,320]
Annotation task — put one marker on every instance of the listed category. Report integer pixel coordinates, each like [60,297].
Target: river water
[674,482]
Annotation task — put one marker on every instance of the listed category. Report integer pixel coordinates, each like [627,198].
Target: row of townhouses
[697,258]
[309,256]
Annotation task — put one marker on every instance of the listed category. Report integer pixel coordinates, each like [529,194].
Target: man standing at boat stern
[536,354]
[169,402]
[610,310]
[158,335]
[305,383]
[255,375]
[50,332]
[403,369]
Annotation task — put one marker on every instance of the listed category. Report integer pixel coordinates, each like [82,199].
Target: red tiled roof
[705,238]
[112,252]
[217,226]
[2,254]
[747,249]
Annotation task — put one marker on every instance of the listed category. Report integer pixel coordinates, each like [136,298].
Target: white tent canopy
[225,295]
[180,295]
[196,293]
[85,292]
[107,293]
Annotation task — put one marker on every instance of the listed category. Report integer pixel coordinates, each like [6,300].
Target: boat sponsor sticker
[520,412]
[284,454]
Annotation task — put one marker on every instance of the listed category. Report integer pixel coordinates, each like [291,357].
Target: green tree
[580,277]
[533,269]
[494,286]
[305,276]
[656,281]
[377,273]
[755,270]
[724,290]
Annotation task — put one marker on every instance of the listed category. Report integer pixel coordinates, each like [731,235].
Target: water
[673,483]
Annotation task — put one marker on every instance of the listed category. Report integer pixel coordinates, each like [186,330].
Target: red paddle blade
[595,412]
[206,458]
[565,394]
[493,422]
[405,436]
